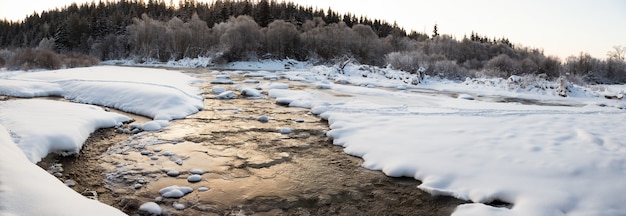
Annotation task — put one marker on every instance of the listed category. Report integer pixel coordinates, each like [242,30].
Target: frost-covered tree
[148,39]
[282,40]
[241,39]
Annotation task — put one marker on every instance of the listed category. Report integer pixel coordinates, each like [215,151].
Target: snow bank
[156,93]
[273,65]
[545,160]
[181,63]
[40,127]
[26,189]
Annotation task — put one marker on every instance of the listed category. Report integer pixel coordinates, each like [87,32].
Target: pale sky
[560,27]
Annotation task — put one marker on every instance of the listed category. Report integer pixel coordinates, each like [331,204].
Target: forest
[236,30]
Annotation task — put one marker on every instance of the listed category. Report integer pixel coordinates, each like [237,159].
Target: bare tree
[618,53]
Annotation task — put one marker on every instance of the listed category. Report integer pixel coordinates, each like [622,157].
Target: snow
[154,125]
[179,206]
[545,160]
[251,93]
[38,127]
[226,95]
[156,93]
[151,208]
[26,189]
[512,140]
[175,191]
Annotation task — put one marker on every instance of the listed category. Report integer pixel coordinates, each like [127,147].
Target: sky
[560,27]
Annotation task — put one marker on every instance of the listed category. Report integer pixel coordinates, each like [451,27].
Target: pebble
[203,189]
[299,120]
[285,131]
[263,119]
[251,81]
[222,82]
[157,150]
[179,206]
[196,171]
[167,153]
[218,90]
[173,173]
[194,178]
[137,186]
[70,183]
[179,162]
[145,152]
[150,208]
[154,158]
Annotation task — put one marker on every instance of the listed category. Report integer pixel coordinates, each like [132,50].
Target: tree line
[232,30]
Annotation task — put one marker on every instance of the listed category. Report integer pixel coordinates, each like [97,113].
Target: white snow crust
[26,189]
[30,129]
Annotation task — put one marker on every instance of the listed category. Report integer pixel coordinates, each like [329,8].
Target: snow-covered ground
[550,155]
[31,129]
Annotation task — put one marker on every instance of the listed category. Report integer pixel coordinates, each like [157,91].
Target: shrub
[502,66]
[551,66]
[28,59]
[449,69]
[72,60]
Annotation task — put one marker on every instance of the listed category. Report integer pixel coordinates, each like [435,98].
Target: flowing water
[248,167]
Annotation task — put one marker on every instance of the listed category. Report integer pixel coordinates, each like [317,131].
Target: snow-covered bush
[448,69]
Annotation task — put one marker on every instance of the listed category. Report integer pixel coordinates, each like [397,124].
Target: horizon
[556,27]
